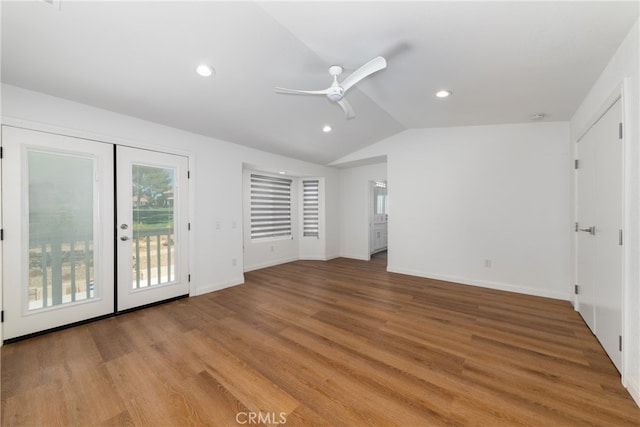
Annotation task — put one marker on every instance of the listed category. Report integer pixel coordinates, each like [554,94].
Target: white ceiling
[504,62]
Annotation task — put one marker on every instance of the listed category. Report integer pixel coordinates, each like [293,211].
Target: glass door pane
[153,225]
[61,228]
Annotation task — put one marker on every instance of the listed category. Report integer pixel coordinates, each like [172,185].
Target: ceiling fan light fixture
[326,128]
[335,97]
[443,93]
[204,70]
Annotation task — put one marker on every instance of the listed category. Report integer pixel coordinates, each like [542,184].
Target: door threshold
[140,307]
[86,321]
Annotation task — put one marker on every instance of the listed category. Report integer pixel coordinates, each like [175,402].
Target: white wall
[460,196]
[216,166]
[623,68]
[332,216]
[355,208]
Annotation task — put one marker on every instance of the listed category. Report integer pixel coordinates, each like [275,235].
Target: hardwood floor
[322,343]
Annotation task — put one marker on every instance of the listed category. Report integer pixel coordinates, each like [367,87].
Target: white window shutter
[310,208]
[270,207]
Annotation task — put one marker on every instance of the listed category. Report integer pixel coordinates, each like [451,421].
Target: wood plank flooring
[339,343]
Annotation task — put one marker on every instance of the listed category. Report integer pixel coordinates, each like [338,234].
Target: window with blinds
[310,208]
[270,207]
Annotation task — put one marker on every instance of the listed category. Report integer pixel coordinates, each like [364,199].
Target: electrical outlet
[234,262]
[487,263]
[272,248]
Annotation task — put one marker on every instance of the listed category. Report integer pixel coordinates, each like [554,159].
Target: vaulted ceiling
[503,61]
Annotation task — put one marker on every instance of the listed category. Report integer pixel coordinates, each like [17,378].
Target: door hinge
[188,174]
[576,163]
[2,316]
[620,130]
[189,226]
[188,278]
[1,234]
[620,237]
[577,227]
[1,152]
[575,289]
[620,342]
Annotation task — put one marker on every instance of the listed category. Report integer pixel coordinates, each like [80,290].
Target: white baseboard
[358,257]
[269,264]
[633,386]
[316,258]
[566,296]
[201,290]
[284,261]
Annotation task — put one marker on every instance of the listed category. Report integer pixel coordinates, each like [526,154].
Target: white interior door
[57,212]
[586,249]
[600,250]
[609,219]
[152,227]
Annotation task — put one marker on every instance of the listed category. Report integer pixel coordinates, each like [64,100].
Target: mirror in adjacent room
[379,217]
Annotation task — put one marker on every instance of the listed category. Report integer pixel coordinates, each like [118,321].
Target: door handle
[591,230]
[124,238]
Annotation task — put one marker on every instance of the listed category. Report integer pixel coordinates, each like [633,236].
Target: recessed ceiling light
[282,172]
[204,70]
[539,116]
[326,128]
[443,93]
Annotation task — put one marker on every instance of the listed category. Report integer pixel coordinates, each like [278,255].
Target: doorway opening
[378,217]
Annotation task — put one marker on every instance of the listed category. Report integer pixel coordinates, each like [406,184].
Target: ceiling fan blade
[302,92]
[346,107]
[376,64]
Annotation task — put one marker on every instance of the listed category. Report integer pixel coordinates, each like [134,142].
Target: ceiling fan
[337,90]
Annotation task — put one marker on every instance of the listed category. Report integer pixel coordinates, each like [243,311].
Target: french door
[59,253]
[57,213]
[152,227]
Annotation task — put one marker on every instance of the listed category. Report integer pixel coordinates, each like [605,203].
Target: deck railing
[61,270]
[150,257]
